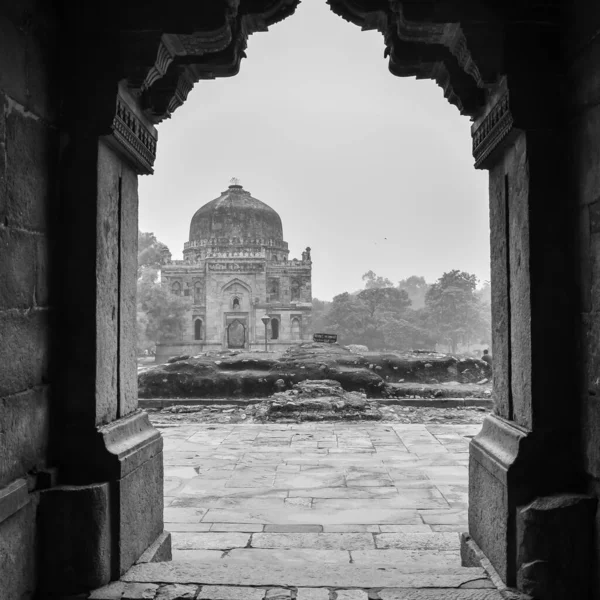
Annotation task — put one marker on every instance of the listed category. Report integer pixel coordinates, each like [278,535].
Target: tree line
[413,314]
[160,314]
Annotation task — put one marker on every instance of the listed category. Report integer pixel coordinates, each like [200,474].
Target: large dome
[236,214]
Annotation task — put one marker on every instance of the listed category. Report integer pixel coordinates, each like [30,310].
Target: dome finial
[234,181]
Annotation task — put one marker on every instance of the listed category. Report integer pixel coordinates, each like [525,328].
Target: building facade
[236,272]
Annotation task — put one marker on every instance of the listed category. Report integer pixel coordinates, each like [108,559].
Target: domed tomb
[236,214]
[236,272]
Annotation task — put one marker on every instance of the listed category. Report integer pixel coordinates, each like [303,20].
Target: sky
[372,171]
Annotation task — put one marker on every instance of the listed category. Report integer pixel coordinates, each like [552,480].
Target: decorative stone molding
[168,49]
[132,136]
[449,35]
[426,50]
[236,267]
[492,130]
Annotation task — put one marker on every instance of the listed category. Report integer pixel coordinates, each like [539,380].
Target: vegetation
[160,314]
[411,315]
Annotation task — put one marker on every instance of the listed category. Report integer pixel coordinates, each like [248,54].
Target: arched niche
[296,328]
[198,329]
[274,328]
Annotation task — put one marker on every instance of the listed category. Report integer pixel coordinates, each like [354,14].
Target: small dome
[236,214]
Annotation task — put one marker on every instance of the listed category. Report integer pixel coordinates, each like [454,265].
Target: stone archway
[493,63]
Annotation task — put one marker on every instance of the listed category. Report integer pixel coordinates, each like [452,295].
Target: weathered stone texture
[28,168]
[17,554]
[26,429]
[23,351]
[554,539]
[31,160]
[141,517]
[488,515]
[500,287]
[18,277]
[107,281]
[74,528]
[128,287]
[519,207]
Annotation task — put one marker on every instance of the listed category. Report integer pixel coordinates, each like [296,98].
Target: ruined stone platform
[242,374]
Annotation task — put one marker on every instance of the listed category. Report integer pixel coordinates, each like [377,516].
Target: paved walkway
[327,511]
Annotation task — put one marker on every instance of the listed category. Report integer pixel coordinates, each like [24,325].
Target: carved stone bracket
[426,50]
[134,138]
[493,129]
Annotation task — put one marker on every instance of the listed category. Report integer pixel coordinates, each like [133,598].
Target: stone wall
[584,127]
[28,169]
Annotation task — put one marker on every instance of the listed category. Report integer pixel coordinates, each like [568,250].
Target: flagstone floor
[328,511]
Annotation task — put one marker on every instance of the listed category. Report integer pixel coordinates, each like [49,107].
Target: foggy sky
[369,170]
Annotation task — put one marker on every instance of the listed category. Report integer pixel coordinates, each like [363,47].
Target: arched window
[295,290]
[236,303]
[198,329]
[273,291]
[198,292]
[296,328]
[176,288]
[274,329]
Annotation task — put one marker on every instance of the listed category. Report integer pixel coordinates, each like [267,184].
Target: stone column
[108,507]
[528,447]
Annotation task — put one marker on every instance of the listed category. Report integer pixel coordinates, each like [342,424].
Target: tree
[363,318]
[151,252]
[409,332]
[161,315]
[372,280]
[416,287]
[377,300]
[453,308]
[320,310]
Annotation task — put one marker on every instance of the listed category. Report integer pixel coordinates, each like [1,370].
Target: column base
[509,467]
[91,533]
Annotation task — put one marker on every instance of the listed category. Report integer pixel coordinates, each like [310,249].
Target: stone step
[305,574]
[408,561]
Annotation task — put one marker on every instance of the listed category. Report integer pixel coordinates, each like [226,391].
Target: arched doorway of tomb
[198,329]
[274,326]
[236,334]
[296,331]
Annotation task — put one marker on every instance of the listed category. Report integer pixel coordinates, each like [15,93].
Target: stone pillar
[109,456]
[528,447]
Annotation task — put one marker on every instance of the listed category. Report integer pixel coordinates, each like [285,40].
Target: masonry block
[18,554]
[32,155]
[75,538]
[555,546]
[23,351]
[26,429]
[18,269]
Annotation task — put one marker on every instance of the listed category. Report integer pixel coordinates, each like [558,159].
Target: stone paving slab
[418,541]
[326,541]
[314,574]
[209,540]
[351,595]
[412,561]
[403,594]
[230,593]
[328,516]
[299,556]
